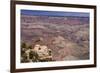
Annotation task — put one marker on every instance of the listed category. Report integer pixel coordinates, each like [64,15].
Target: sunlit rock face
[43,52]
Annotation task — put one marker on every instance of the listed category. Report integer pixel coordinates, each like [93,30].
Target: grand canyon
[67,37]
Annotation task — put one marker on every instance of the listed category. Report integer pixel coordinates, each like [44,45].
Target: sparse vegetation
[29,54]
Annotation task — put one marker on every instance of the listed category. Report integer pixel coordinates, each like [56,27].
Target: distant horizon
[54,13]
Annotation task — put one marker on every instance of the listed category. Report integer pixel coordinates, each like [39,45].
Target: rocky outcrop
[37,54]
[43,52]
